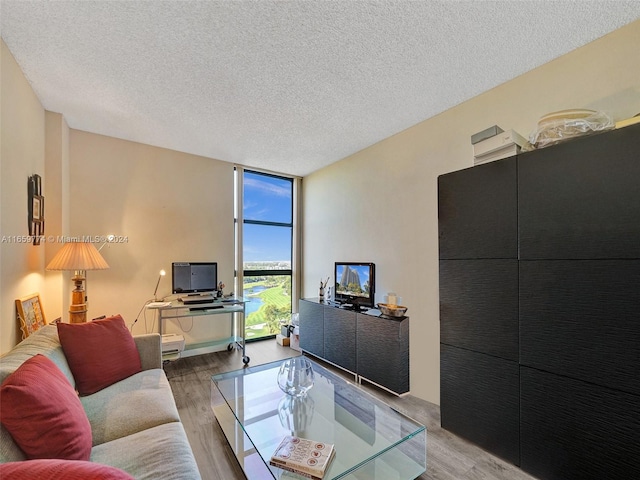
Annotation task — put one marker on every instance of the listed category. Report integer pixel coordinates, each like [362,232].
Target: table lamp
[79,257]
[155,292]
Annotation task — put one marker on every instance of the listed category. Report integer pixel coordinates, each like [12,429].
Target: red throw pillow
[60,470]
[99,353]
[42,412]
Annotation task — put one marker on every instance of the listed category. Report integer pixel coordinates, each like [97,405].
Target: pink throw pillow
[99,353]
[42,412]
[60,470]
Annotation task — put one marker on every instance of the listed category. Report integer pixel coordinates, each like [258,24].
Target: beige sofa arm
[150,350]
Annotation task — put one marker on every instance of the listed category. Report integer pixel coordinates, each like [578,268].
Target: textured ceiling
[288,86]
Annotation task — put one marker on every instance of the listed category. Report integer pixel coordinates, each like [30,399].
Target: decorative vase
[295,376]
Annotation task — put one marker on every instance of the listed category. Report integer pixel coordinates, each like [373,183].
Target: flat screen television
[194,277]
[355,284]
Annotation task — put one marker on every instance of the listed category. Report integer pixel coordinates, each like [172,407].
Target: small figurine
[220,287]
[322,287]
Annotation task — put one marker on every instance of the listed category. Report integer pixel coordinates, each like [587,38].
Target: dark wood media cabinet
[539,302]
[374,348]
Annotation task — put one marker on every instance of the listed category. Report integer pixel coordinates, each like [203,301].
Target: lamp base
[78,313]
[78,307]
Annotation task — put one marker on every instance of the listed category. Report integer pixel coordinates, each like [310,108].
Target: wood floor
[448,456]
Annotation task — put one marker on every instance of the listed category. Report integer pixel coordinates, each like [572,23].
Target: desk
[232,305]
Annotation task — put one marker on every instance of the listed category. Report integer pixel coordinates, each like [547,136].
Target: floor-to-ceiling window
[265,229]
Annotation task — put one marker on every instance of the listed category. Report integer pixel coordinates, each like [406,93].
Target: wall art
[35,208]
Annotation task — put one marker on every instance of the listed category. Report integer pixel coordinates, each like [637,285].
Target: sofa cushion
[99,353]
[9,450]
[149,347]
[41,411]
[159,453]
[44,341]
[54,469]
[136,403]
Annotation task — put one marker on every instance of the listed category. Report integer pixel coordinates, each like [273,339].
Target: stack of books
[302,456]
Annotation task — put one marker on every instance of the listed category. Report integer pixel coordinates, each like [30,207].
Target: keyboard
[197,299]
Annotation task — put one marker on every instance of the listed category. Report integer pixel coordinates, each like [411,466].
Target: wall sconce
[109,238]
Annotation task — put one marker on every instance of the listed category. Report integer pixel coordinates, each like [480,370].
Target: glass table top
[366,432]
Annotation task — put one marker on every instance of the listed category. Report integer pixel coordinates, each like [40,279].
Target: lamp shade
[78,256]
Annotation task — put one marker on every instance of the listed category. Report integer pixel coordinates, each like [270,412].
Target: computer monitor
[194,277]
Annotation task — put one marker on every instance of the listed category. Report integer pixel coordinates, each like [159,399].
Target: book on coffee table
[305,457]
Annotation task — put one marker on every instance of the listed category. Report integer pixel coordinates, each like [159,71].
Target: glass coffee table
[372,440]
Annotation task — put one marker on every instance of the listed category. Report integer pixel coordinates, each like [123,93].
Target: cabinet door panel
[576,430]
[312,327]
[479,400]
[479,306]
[340,337]
[580,319]
[383,351]
[580,200]
[477,210]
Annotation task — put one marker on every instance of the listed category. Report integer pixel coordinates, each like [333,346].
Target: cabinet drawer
[579,200]
[312,327]
[340,337]
[576,430]
[477,212]
[580,319]
[479,400]
[479,306]
[383,351]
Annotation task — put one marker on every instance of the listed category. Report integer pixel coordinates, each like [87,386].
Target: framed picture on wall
[35,208]
[30,314]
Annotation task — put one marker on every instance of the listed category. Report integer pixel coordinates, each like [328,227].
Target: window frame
[240,222]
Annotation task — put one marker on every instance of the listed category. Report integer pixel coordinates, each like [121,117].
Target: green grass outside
[271,296]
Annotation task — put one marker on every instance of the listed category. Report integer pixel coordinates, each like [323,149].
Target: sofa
[134,424]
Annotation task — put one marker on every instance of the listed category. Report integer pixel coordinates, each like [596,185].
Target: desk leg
[245,359]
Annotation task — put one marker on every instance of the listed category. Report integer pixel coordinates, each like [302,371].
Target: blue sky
[269,199]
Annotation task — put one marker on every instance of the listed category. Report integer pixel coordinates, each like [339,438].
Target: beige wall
[56,193]
[380,204]
[22,145]
[165,206]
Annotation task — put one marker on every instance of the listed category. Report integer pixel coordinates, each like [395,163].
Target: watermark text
[99,239]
